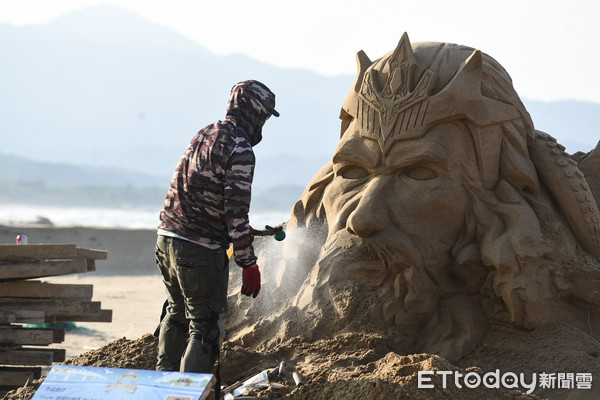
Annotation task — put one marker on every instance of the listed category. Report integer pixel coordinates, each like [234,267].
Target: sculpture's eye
[353,172]
[421,173]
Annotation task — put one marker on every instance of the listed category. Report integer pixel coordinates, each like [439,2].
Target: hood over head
[251,103]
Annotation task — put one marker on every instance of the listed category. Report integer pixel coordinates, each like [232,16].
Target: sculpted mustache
[394,255]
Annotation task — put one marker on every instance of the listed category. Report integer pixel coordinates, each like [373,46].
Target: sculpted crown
[388,103]
[388,91]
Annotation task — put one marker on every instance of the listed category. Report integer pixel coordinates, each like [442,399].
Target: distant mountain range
[23,181]
[104,87]
[103,97]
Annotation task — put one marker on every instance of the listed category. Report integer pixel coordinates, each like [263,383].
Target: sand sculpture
[442,210]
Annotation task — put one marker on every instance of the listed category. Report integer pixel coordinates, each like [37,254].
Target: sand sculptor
[442,209]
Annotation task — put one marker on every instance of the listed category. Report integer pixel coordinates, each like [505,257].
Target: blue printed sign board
[66,382]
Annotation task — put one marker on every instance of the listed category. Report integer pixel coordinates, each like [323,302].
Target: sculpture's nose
[371,214]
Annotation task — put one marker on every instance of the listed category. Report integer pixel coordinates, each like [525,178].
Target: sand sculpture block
[442,209]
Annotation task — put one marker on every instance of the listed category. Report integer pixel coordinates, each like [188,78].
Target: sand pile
[362,365]
[348,367]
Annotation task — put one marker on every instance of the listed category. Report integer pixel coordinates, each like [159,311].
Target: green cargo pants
[196,280]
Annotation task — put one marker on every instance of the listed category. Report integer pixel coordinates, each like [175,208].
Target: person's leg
[202,349]
[203,277]
[172,338]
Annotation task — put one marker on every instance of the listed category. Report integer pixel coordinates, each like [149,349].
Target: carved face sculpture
[403,192]
[433,215]
[398,214]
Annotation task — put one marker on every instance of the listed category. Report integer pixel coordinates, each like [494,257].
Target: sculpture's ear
[310,206]
[567,183]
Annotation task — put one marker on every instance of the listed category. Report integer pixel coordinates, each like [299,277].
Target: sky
[549,47]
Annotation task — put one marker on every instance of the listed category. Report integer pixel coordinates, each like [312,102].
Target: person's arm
[238,185]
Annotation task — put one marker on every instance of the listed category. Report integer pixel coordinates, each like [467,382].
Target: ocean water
[108,217]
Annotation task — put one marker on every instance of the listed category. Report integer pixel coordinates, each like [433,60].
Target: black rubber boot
[201,352]
[171,344]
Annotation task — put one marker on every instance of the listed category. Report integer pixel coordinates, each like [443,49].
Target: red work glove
[251,281]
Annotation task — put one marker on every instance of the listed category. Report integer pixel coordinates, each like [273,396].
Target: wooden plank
[8,316]
[51,307]
[15,378]
[27,336]
[57,355]
[91,307]
[41,268]
[58,335]
[92,253]
[91,264]
[102,316]
[37,251]
[37,289]
[36,371]
[26,357]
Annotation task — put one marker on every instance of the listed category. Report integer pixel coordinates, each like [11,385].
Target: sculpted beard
[394,281]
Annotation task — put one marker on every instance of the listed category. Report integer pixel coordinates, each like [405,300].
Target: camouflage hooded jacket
[209,197]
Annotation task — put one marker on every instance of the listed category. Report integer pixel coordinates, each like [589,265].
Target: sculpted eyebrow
[431,153]
[355,151]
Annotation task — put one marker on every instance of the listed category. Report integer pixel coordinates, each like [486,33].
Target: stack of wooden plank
[27,300]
